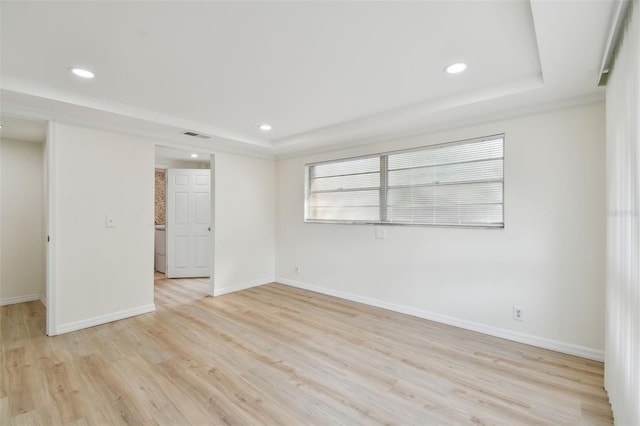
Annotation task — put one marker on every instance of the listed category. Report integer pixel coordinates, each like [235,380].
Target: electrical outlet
[518,313]
[297,269]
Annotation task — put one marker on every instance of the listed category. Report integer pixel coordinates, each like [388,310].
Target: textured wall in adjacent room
[161,196]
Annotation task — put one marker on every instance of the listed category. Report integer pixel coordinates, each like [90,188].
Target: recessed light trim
[456,68]
[82,72]
[194,155]
[265,127]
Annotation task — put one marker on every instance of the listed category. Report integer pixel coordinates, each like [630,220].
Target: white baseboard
[243,286]
[103,319]
[43,299]
[541,342]
[19,299]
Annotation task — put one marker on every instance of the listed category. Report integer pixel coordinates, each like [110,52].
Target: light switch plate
[380,233]
[109,222]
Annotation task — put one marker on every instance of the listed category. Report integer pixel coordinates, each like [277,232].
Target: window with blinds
[453,184]
[344,191]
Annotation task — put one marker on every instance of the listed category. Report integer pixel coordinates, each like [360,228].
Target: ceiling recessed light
[82,72]
[456,68]
[194,155]
[265,127]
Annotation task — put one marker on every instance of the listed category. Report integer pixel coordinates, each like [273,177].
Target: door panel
[202,252]
[181,208]
[203,208]
[181,252]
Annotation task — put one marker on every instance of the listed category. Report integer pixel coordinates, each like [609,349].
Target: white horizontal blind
[454,184]
[344,191]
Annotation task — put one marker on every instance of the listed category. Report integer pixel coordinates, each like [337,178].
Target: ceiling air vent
[196,135]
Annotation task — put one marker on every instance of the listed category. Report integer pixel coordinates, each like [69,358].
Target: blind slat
[485,170]
[346,199]
[345,167]
[447,154]
[367,180]
[346,214]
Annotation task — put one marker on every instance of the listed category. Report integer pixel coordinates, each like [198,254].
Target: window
[452,184]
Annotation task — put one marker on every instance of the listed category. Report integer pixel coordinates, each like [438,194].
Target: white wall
[622,359]
[21,230]
[549,258]
[167,163]
[244,199]
[101,273]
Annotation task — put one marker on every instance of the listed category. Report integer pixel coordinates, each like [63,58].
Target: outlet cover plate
[518,313]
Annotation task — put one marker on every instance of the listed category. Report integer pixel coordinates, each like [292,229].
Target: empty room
[320,212]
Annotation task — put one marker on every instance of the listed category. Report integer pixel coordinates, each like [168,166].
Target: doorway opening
[184,236]
[23,217]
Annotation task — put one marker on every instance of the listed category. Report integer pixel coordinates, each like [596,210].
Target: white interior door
[188,222]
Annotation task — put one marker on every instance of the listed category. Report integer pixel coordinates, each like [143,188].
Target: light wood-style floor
[276,355]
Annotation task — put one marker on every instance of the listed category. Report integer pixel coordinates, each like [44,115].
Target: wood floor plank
[152,392]
[116,405]
[63,390]
[218,407]
[5,418]
[16,373]
[280,355]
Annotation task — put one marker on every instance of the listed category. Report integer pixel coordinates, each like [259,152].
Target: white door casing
[51,242]
[188,223]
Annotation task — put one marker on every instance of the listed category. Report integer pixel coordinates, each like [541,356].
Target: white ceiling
[323,74]
[28,130]
[164,154]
